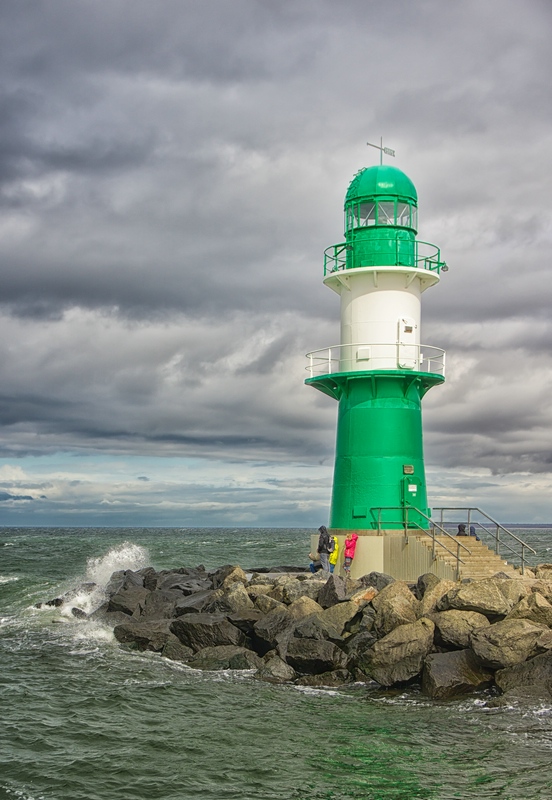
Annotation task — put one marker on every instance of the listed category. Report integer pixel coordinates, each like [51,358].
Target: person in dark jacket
[473,533]
[461,530]
[325,547]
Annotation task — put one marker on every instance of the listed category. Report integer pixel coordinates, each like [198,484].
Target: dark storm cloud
[171,173]
[5,496]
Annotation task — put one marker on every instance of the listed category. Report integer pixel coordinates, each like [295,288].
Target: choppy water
[83,719]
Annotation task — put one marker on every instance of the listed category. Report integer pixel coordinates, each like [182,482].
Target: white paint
[381,306]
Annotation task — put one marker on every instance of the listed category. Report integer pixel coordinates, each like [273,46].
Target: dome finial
[382,149]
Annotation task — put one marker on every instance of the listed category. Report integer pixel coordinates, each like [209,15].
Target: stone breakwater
[291,627]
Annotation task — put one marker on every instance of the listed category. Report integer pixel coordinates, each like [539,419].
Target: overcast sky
[170,175]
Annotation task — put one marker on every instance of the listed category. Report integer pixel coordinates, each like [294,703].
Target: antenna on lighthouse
[382,149]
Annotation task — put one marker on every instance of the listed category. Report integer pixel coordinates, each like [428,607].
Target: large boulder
[379,580]
[400,655]
[316,627]
[314,656]
[143,635]
[194,603]
[337,677]
[272,625]
[453,628]
[176,651]
[357,645]
[149,577]
[265,603]
[304,607]
[447,675]
[533,607]
[332,592]
[425,582]
[223,577]
[361,597]
[206,630]
[529,679]
[160,604]
[185,584]
[339,615]
[233,600]
[129,600]
[543,587]
[275,670]
[312,588]
[287,589]
[226,656]
[544,572]
[513,589]
[395,605]
[254,590]
[507,642]
[433,595]
[484,596]
[123,579]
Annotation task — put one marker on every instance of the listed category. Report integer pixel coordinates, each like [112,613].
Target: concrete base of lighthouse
[390,552]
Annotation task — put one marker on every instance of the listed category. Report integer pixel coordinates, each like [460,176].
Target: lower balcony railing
[363,357]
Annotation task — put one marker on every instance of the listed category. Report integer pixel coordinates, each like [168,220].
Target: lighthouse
[380,370]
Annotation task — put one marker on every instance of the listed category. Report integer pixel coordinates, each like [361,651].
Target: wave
[125,556]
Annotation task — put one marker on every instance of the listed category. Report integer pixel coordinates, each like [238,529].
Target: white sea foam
[93,632]
[124,556]
[98,572]
[8,578]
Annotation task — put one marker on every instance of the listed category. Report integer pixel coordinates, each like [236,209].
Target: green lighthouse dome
[381,181]
[380,197]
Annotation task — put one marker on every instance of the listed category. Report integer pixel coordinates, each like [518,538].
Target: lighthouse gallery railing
[411,253]
[361,357]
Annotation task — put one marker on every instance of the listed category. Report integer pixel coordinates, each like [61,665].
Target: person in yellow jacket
[334,554]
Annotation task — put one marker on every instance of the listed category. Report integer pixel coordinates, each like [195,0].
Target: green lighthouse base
[379,465]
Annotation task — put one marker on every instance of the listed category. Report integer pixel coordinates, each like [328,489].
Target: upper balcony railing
[411,253]
[368,357]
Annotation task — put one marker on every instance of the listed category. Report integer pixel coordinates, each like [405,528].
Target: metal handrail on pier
[498,542]
[412,523]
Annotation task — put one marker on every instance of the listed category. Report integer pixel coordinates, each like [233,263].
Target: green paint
[379,429]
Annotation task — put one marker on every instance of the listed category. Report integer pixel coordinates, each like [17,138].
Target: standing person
[334,554]
[325,547]
[350,547]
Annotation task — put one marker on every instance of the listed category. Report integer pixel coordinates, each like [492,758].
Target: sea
[82,718]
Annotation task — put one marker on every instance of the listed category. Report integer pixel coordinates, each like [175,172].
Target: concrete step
[480,562]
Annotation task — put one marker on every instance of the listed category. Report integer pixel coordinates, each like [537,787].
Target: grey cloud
[171,174]
[5,496]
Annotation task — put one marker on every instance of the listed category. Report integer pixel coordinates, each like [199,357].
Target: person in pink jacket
[349,552]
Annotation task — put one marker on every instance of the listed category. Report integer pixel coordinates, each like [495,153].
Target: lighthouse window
[386,213]
[367,214]
[403,214]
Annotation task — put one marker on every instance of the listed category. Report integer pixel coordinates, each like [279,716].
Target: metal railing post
[523,559]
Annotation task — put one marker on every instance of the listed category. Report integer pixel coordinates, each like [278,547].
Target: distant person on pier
[325,547]
[350,547]
[461,530]
[334,554]
[473,533]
